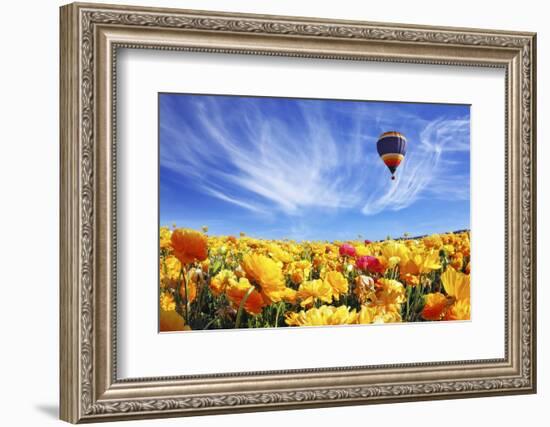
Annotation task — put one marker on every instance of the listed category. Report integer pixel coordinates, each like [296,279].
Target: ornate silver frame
[90,36]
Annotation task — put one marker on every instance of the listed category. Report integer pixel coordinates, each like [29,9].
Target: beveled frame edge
[89,390]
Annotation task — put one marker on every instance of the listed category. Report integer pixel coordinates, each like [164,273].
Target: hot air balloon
[391,148]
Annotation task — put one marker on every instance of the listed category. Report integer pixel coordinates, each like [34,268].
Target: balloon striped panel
[392,159]
[391,142]
[393,133]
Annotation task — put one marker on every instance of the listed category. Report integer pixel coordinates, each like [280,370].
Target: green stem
[409,291]
[186,302]
[281,304]
[241,307]
[202,294]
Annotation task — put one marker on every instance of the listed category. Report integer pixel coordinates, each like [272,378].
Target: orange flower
[266,274]
[171,321]
[189,245]
[236,291]
[191,287]
[410,279]
[435,305]
[457,261]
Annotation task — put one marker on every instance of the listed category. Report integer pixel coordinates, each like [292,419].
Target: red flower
[347,250]
[367,241]
[369,263]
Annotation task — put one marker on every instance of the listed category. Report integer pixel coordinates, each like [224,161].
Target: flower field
[227,282]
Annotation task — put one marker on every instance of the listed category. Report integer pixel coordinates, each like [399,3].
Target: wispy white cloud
[220,195]
[270,164]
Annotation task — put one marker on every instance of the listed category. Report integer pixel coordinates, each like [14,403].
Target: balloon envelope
[392,147]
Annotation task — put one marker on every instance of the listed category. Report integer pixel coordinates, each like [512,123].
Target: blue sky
[308,169]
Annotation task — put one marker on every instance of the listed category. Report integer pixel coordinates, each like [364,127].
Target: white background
[141,348]
[29,170]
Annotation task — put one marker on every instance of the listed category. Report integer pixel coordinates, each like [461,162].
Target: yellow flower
[378,314]
[393,261]
[430,262]
[449,249]
[460,310]
[393,253]
[421,263]
[391,292]
[165,235]
[337,282]
[170,272]
[312,290]
[342,316]
[237,290]
[289,295]
[299,271]
[219,282]
[324,315]
[278,254]
[389,314]
[167,301]
[435,306]
[456,284]
[363,250]
[266,274]
[189,245]
[367,314]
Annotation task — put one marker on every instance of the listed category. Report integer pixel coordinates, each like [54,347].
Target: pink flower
[362,263]
[369,263]
[347,250]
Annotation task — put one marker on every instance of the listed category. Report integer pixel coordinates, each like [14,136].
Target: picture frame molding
[89,38]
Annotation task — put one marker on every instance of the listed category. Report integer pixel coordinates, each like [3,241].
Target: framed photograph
[266,212]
